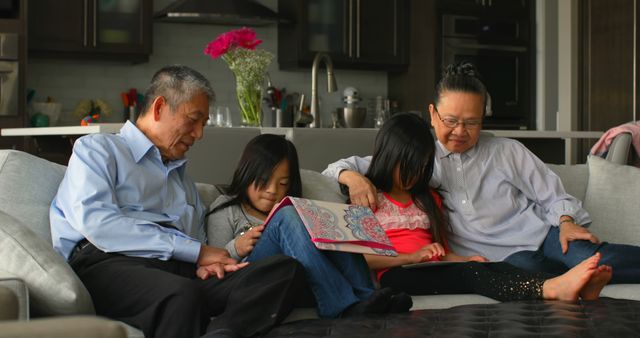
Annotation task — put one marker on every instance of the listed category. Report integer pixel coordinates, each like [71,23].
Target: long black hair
[259,158]
[462,77]
[406,141]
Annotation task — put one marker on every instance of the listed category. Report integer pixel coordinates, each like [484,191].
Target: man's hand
[210,255]
[247,241]
[217,269]
[570,231]
[215,261]
[361,190]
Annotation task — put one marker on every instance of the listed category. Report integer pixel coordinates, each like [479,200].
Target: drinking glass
[223,117]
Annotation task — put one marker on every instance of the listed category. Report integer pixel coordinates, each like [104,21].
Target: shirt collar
[140,146]
[442,152]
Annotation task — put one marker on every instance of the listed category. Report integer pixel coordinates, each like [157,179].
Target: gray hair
[177,84]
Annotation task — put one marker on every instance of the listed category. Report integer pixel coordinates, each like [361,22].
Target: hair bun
[463,68]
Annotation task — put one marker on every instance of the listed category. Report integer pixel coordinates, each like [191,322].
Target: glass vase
[249,95]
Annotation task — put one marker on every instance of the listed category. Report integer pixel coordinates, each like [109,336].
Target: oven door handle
[491,47]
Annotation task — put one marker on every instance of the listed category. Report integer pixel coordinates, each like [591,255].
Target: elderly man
[129,221]
[503,202]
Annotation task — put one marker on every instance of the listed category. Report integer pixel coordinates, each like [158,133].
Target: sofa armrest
[67,327]
[619,149]
[8,304]
[19,289]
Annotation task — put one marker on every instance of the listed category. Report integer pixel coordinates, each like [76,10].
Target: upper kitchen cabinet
[357,34]
[113,29]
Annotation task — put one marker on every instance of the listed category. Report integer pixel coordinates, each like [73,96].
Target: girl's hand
[247,241]
[476,258]
[427,252]
[452,257]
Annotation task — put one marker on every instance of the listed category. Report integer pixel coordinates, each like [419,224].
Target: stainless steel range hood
[220,12]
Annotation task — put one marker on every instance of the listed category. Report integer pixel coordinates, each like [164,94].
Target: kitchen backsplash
[69,82]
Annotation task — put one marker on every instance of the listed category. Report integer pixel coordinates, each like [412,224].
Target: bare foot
[569,285]
[599,279]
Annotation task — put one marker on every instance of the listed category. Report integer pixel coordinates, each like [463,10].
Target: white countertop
[115,127]
[66,130]
[545,134]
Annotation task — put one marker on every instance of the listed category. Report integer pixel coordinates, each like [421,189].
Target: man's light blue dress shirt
[117,192]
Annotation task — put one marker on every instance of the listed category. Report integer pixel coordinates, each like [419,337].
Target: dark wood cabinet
[115,29]
[609,63]
[498,38]
[357,34]
[500,7]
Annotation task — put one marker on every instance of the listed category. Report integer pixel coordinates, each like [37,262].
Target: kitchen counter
[288,132]
[312,144]
[63,130]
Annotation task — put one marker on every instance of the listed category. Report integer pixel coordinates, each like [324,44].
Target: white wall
[546,64]
[557,64]
[70,81]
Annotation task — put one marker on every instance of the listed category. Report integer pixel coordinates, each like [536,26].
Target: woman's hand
[361,190]
[428,252]
[247,241]
[569,231]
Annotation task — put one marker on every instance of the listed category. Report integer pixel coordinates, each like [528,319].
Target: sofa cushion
[28,184]
[316,186]
[574,178]
[612,199]
[207,192]
[54,288]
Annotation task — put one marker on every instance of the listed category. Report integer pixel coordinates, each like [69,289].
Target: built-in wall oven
[8,74]
[499,48]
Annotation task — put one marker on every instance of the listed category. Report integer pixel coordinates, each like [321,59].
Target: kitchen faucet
[331,85]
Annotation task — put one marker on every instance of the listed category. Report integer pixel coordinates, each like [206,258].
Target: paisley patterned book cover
[340,227]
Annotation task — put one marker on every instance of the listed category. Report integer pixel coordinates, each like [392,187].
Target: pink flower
[239,38]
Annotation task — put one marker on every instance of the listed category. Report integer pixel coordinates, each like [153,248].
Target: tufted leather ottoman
[606,317]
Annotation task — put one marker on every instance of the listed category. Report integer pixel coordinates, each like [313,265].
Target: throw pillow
[316,186]
[28,184]
[612,199]
[54,288]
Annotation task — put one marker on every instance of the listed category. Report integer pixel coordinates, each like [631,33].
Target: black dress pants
[166,299]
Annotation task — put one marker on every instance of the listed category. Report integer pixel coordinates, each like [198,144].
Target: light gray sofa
[45,286]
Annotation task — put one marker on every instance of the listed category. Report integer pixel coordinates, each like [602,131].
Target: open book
[340,227]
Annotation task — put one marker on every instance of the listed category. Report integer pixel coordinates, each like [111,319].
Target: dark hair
[259,158]
[177,84]
[462,77]
[405,140]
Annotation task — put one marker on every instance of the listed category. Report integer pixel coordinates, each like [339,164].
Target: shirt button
[464,201]
[458,169]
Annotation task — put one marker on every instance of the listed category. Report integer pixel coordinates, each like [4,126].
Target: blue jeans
[624,259]
[337,279]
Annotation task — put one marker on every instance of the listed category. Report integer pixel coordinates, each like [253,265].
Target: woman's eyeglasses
[452,122]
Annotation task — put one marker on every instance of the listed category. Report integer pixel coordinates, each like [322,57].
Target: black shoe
[379,302]
[400,302]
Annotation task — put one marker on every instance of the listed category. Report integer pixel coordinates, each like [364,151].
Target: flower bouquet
[89,111]
[249,66]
